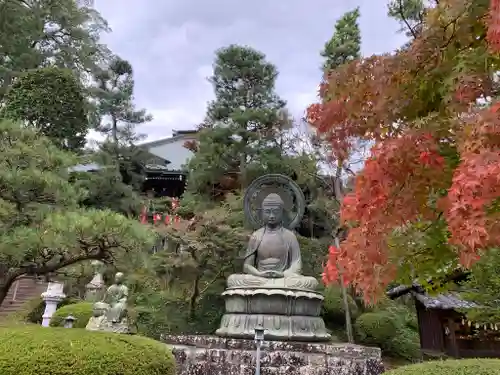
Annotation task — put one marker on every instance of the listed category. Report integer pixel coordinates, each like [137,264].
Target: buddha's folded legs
[245,280]
[301,282]
[251,281]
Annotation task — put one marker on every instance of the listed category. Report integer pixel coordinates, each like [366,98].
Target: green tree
[109,187]
[116,183]
[342,48]
[42,227]
[243,137]
[410,14]
[345,44]
[244,127]
[117,118]
[482,287]
[34,34]
[208,246]
[53,101]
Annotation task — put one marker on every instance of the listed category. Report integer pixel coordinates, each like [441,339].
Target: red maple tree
[428,198]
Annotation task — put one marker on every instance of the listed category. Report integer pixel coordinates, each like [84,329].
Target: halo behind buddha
[276,188]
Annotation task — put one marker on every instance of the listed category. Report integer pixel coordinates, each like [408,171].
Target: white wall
[175,152]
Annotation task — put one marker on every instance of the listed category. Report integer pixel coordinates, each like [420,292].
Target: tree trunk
[340,196]
[5,284]
[194,298]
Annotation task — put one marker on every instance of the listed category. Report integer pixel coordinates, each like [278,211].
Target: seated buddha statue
[273,257]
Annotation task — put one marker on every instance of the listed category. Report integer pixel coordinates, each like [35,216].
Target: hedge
[36,350]
[82,311]
[376,328]
[451,367]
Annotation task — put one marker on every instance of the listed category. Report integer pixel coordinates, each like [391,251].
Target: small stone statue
[98,316]
[110,314]
[116,296]
[273,257]
[95,288]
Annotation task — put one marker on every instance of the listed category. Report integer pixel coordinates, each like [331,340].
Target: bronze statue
[271,292]
[273,255]
[110,314]
[116,297]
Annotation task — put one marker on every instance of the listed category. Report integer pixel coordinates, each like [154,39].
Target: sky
[171,45]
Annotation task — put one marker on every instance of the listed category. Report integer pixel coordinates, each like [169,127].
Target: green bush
[34,350]
[376,328]
[161,313]
[403,313]
[451,367]
[82,311]
[406,344]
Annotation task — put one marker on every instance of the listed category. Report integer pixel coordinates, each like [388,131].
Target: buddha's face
[272,214]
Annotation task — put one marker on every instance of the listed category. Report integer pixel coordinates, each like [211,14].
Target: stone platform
[285,314]
[210,355]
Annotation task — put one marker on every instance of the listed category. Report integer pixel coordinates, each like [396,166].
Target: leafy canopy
[35,34]
[42,227]
[53,101]
[426,200]
[244,126]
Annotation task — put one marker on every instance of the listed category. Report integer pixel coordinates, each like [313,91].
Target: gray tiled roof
[447,301]
[443,301]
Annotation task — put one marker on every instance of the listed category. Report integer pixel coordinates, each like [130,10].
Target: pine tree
[345,44]
[117,183]
[243,132]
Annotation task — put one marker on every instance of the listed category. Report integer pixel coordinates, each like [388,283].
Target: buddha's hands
[273,274]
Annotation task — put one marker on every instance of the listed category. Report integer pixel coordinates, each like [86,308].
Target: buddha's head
[272,210]
[119,278]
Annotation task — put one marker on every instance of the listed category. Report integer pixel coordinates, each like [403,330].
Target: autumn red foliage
[436,153]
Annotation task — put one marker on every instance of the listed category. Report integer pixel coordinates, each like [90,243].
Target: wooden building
[164,173]
[444,330]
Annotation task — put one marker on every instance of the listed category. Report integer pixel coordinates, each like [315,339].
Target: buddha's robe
[271,251]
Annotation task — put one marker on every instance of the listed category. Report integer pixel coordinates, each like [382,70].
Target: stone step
[27,288]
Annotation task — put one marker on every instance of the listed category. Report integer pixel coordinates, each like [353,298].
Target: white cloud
[171,46]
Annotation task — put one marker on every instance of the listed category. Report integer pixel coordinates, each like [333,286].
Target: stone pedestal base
[285,314]
[100,323]
[277,327]
[210,355]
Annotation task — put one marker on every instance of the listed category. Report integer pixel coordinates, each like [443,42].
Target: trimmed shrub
[376,328]
[406,344]
[82,311]
[35,350]
[451,367]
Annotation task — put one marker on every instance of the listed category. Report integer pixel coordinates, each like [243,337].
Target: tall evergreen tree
[118,115]
[116,185]
[345,44]
[243,129]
